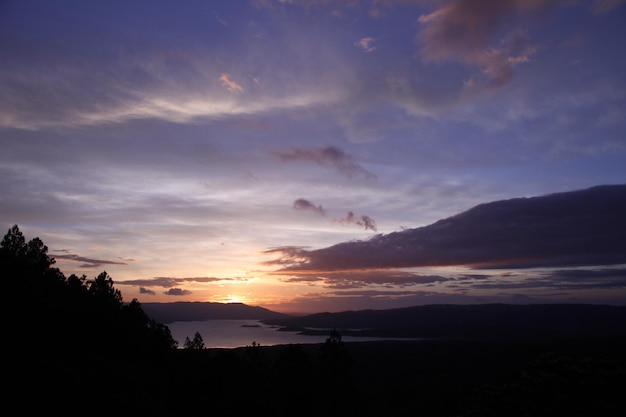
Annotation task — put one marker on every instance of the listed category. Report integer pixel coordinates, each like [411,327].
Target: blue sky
[176,144]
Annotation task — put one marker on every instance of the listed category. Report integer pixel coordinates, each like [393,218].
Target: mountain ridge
[482,321]
[199,310]
[439,321]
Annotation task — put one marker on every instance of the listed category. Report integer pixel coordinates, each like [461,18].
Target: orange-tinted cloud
[230,85]
[366,44]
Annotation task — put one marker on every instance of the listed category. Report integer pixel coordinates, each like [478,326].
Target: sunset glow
[237,152]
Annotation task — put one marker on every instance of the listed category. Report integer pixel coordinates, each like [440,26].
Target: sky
[210,150]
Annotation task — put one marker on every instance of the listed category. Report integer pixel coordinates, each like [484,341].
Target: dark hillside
[81,350]
[487,321]
[192,311]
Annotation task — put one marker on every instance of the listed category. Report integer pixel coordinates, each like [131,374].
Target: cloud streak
[169,282]
[326,156]
[361,279]
[88,262]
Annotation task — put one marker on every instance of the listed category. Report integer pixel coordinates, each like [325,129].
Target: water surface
[239,333]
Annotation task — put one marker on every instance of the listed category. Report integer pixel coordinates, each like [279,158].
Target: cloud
[577,228]
[327,156]
[464,31]
[368,299]
[88,262]
[364,221]
[303,204]
[366,44]
[177,292]
[230,85]
[606,6]
[288,255]
[143,290]
[560,281]
[169,282]
[360,279]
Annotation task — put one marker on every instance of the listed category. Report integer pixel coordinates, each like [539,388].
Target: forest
[73,345]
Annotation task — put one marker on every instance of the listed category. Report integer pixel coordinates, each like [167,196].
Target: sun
[231,298]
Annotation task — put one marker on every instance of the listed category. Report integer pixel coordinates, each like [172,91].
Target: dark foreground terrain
[74,347]
[574,377]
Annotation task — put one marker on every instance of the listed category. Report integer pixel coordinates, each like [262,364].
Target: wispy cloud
[366,44]
[88,262]
[287,255]
[327,156]
[169,282]
[363,220]
[360,279]
[560,280]
[230,85]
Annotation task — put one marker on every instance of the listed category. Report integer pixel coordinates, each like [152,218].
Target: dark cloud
[143,290]
[327,156]
[364,221]
[368,299]
[177,292]
[564,280]
[168,282]
[87,262]
[465,31]
[288,255]
[578,275]
[303,204]
[305,278]
[585,227]
[466,277]
[360,279]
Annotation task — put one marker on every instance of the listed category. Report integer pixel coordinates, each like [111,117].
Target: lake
[239,333]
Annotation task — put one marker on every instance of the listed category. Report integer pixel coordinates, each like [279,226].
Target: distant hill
[191,311]
[495,321]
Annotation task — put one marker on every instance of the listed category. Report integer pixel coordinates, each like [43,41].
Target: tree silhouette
[103,291]
[76,315]
[195,344]
[13,244]
[335,370]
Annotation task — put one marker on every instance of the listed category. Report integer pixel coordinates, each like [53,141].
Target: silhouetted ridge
[486,321]
[192,311]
